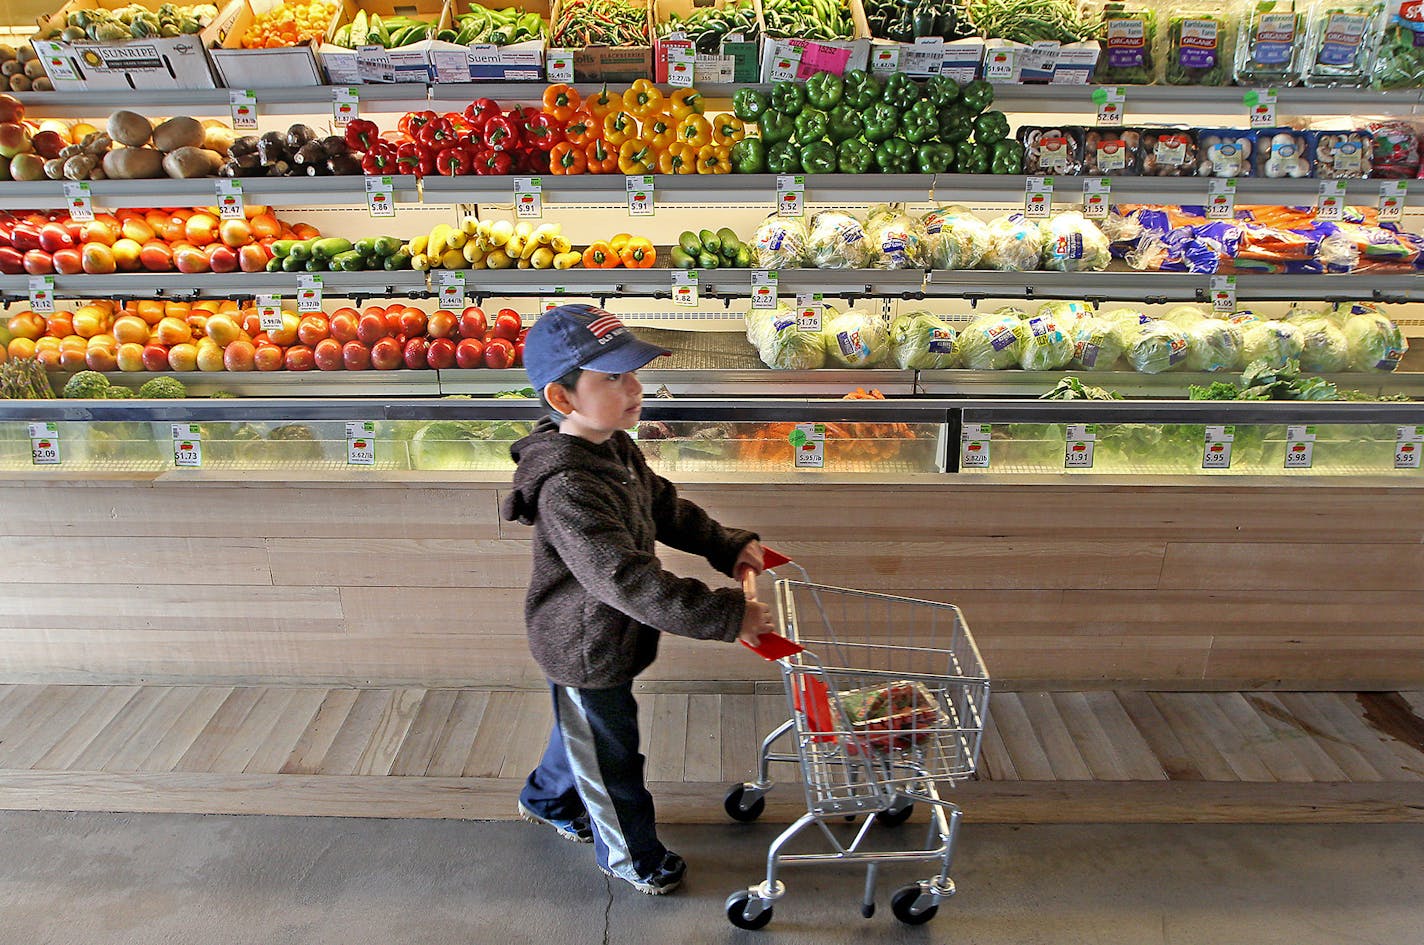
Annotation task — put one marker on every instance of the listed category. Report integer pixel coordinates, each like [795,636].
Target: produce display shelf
[232,285]
[203,191]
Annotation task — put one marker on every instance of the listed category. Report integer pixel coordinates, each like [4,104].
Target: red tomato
[499,354]
[507,325]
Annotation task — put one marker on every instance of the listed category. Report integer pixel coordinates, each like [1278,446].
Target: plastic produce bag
[837,241]
[955,237]
[1214,345]
[855,338]
[1376,343]
[992,342]
[1326,350]
[787,348]
[1015,244]
[1073,243]
[779,243]
[1047,347]
[1095,344]
[1275,342]
[897,241]
[1154,347]
[921,341]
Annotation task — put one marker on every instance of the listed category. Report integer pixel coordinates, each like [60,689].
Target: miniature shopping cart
[888,698]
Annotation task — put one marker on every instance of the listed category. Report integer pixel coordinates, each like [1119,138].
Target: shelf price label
[1391,202]
[187,445]
[381,196]
[640,195]
[1097,197]
[229,197]
[974,446]
[682,67]
[1408,444]
[790,195]
[79,200]
[360,443]
[1221,198]
[1223,294]
[561,65]
[1038,197]
[345,106]
[244,109]
[309,289]
[1078,451]
[1109,100]
[42,294]
[1261,107]
[1331,205]
[809,308]
[684,287]
[269,312]
[451,283]
[1216,451]
[808,441]
[764,286]
[529,198]
[44,444]
[1300,447]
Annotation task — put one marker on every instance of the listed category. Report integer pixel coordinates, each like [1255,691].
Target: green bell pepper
[1008,158]
[825,90]
[973,158]
[788,97]
[977,95]
[844,123]
[749,104]
[854,157]
[776,126]
[896,156]
[862,89]
[920,122]
[942,90]
[881,121]
[819,158]
[811,125]
[900,91]
[934,158]
[956,124]
[783,158]
[991,128]
[749,156]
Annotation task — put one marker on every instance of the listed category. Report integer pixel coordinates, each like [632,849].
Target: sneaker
[664,880]
[577,829]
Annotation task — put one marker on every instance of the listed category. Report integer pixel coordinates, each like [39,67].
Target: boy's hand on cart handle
[755,621]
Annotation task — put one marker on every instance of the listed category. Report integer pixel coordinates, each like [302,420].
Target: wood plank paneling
[121,559]
[1291,565]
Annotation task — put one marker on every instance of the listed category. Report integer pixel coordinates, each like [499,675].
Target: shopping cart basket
[888,698]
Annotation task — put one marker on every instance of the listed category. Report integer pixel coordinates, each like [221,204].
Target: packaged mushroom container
[1052,150]
[1343,155]
[1283,152]
[1225,152]
[1168,152]
[1111,152]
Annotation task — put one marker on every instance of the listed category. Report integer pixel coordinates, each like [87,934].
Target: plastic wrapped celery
[1269,43]
[1341,43]
[1200,49]
[1128,38]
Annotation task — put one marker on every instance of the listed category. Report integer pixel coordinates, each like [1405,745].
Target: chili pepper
[783,158]
[493,163]
[972,158]
[977,95]
[636,156]
[638,253]
[480,111]
[819,157]
[749,104]
[900,91]
[582,129]
[934,158]
[600,255]
[942,90]
[714,159]
[895,156]
[686,102]
[694,130]
[854,156]
[361,135]
[415,159]
[677,158]
[602,157]
[862,89]
[920,122]
[454,161]
[379,159]
[601,104]
[660,129]
[825,90]
[435,134]
[619,126]
[881,122]
[749,156]
[811,125]
[567,158]
[561,101]
[643,98]
[843,123]
[411,122]
[1008,158]
[501,133]
[788,97]
[991,128]
[727,129]
[777,126]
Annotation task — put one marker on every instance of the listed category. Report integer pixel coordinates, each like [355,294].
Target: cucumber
[682,259]
[689,243]
[709,241]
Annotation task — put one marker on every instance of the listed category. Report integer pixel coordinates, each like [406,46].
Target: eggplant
[299,135]
[344,165]
[310,154]
[335,144]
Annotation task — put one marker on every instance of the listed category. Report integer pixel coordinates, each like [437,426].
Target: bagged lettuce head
[1073,243]
[956,238]
[992,342]
[785,347]
[1154,347]
[1376,343]
[1015,244]
[1214,345]
[837,241]
[1275,342]
[1047,347]
[1326,349]
[779,243]
[1096,346]
[921,341]
[855,338]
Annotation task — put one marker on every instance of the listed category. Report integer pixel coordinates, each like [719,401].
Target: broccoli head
[163,388]
[86,385]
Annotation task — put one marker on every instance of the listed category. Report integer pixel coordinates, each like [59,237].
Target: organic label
[229,197]
[309,289]
[809,442]
[244,109]
[42,294]
[360,443]
[345,106]
[44,444]
[684,287]
[187,445]
[764,286]
[79,201]
[1221,198]
[1097,197]
[640,195]
[381,196]
[790,195]
[269,313]
[529,198]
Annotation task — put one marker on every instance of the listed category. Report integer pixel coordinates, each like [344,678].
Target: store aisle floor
[171,878]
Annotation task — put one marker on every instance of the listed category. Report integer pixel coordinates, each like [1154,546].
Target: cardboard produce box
[609,63]
[735,60]
[179,62]
[412,62]
[285,67]
[785,58]
[509,62]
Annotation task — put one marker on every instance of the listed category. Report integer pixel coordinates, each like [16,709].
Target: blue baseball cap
[582,336]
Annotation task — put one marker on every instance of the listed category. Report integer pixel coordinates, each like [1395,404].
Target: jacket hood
[547,452]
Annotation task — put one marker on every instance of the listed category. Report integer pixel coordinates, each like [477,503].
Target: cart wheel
[894,818]
[735,810]
[904,900]
[737,914]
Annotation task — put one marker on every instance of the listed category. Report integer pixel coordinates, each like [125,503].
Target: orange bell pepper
[602,157]
[694,130]
[728,129]
[714,159]
[566,158]
[619,126]
[686,102]
[583,128]
[561,101]
[636,156]
[677,158]
[600,256]
[660,129]
[643,98]
[602,103]
[639,253]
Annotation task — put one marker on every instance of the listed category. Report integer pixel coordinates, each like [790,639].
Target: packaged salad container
[1269,42]
[1199,48]
[1341,43]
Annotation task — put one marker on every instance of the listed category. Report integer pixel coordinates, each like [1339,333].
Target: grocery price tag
[309,288]
[682,67]
[1078,451]
[451,283]
[974,446]
[785,63]
[244,109]
[44,444]
[561,65]
[640,195]
[1109,100]
[187,445]
[42,294]
[229,197]
[1408,444]
[999,65]
[790,195]
[1223,294]
[269,312]
[1216,452]
[1261,106]
[764,285]
[1097,197]
[885,60]
[529,198]
[808,312]
[345,106]
[360,443]
[809,442]
[1221,198]
[684,287]
[381,196]
[1300,447]
[1391,202]
[79,201]
[1332,200]
[1038,197]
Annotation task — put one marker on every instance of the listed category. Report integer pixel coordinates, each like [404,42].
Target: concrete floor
[155,879]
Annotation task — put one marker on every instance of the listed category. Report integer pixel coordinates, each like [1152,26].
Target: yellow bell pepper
[619,127]
[661,129]
[643,98]
[694,130]
[714,159]
[728,129]
[636,156]
[678,158]
[686,102]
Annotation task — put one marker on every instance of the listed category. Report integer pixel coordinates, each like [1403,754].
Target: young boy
[598,596]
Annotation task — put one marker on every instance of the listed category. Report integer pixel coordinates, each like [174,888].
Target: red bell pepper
[491,162]
[411,122]
[454,161]
[543,131]
[361,134]
[502,133]
[435,135]
[480,111]
[381,159]
[414,159]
